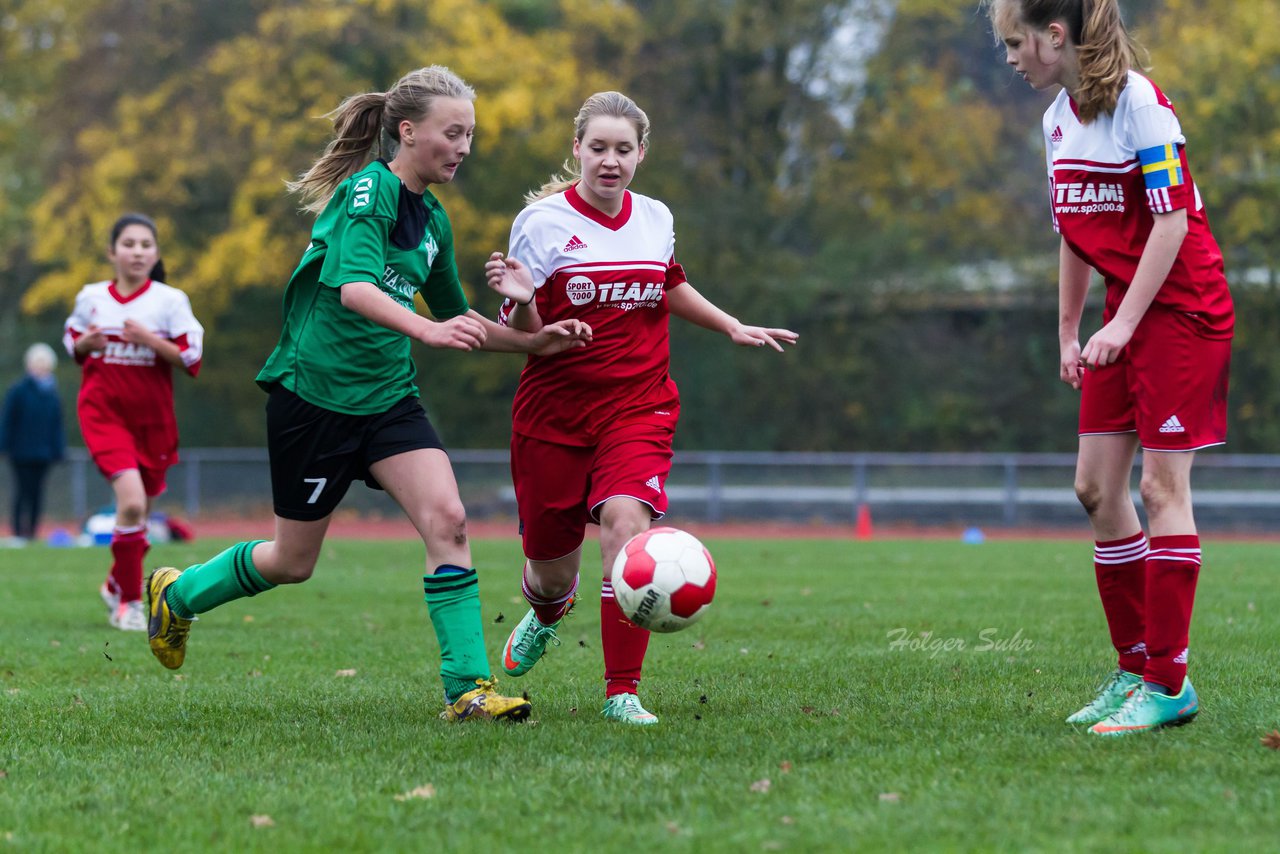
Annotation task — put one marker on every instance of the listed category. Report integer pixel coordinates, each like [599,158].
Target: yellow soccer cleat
[166,631]
[485,702]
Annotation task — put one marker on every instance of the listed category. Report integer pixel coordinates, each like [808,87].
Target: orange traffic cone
[862,528]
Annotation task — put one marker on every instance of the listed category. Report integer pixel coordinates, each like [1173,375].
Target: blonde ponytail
[556,184]
[1106,53]
[357,126]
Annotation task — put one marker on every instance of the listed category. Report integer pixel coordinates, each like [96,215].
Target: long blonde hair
[612,104]
[371,120]
[1104,48]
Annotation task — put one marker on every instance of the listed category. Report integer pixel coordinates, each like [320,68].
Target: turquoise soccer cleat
[1146,710]
[1111,696]
[626,709]
[528,641]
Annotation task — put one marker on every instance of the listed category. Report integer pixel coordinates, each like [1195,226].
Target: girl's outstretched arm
[685,302]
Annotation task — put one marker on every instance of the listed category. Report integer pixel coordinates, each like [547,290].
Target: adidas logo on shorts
[653,484]
[1173,425]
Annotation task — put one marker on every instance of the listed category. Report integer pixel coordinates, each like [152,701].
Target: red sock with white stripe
[1173,567]
[128,548]
[548,610]
[1121,569]
[624,644]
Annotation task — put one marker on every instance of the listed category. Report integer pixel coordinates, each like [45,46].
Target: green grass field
[790,719]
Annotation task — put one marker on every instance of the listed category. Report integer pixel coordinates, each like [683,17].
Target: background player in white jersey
[1155,375]
[592,432]
[128,334]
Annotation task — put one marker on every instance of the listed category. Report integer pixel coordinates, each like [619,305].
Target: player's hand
[92,341]
[136,333]
[1070,367]
[508,278]
[1106,345]
[456,333]
[759,336]
[560,336]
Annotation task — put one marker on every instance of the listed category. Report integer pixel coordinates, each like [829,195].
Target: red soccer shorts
[1169,386]
[115,448]
[560,488]
[114,460]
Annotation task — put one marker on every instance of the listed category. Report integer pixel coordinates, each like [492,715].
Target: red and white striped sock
[624,644]
[1173,568]
[547,610]
[1121,570]
[128,548]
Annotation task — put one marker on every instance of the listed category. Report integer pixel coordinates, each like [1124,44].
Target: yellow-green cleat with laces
[484,702]
[1111,696]
[626,709]
[166,631]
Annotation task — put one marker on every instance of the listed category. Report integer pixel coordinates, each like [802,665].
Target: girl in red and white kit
[1155,375]
[128,334]
[593,430]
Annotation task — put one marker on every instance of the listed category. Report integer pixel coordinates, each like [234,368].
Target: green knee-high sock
[453,600]
[223,578]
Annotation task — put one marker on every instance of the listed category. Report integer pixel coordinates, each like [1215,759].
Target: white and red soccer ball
[664,579]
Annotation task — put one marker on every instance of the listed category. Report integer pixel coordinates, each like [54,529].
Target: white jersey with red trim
[612,273]
[1109,177]
[124,382]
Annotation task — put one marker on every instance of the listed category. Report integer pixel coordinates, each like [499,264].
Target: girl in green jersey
[343,403]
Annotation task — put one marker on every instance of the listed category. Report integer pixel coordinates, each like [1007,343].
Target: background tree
[1220,63]
[865,171]
[206,151]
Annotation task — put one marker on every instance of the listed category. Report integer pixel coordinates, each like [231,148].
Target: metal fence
[1232,491]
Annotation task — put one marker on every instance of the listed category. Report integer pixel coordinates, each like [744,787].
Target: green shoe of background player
[527,643]
[1111,696]
[627,709]
[1146,710]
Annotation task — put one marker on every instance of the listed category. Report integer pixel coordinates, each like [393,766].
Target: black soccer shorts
[316,453]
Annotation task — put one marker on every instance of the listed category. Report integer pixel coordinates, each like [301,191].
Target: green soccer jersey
[374,229]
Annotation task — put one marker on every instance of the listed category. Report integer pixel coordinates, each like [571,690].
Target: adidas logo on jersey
[574,243]
[1173,425]
[653,484]
[1056,136]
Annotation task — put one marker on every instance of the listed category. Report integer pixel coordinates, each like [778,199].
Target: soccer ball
[664,579]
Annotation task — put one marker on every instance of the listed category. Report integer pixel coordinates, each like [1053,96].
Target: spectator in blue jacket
[31,434]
